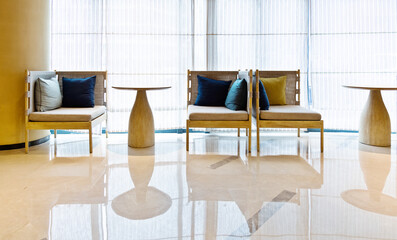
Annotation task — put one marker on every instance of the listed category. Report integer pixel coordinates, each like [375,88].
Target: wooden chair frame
[218,124]
[280,123]
[34,125]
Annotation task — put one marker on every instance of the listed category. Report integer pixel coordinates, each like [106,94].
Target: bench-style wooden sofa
[65,117]
[291,115]
[217,117]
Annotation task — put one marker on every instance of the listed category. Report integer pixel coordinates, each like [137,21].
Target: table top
[141,87]
[372,87]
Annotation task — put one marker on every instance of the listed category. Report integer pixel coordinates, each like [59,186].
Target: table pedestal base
[375,122]
[141,125]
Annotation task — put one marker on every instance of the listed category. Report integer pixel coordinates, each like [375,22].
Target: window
[332,42]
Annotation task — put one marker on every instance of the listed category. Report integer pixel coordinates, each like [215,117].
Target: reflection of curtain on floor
[155,42]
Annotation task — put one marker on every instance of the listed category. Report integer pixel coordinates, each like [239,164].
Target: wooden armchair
[291,115]
[217,117]
[65,118]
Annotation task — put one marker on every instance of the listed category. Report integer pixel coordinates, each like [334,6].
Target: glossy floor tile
[216,191]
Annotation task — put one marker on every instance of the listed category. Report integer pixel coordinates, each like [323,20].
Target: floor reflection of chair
[265,179]
[72,148]
[143,201]
[61,183]
[219,145]
[375,163]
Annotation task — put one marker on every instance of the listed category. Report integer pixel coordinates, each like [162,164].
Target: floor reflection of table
[141,124]
[375,164]
[143,201]
[375,121]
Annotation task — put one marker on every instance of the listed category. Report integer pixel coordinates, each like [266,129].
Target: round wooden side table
[141,124]
[374,127]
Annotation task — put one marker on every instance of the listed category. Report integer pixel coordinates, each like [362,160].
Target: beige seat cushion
[289,113]
[204,113]
[68,114]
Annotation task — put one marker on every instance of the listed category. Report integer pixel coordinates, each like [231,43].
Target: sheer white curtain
[352,42]
[149,42]
[332,42]
[137,42]
[77,35]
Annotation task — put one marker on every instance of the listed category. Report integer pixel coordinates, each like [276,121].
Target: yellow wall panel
[24,44]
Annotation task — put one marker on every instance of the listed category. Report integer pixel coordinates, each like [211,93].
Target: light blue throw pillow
[237,97]
[47,94]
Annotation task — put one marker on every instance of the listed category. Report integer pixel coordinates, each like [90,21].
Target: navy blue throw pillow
[263,99]
[237,97]
[211,92]
[78,92]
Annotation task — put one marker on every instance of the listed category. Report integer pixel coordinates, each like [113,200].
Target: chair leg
[257,137]
[90,137]
[238,132]
[26,140]
[187,135]
[55,133]
[299,132]
[322,136]
[249,138]
[106,131]
[107,135]
[246,132]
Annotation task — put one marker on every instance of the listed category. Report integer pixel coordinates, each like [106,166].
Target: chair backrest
[247,75]
[31,79]
[32,76]
[100,84]
[292,88]
[192,82]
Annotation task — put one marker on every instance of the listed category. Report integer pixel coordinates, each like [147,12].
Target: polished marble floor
[215,191]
